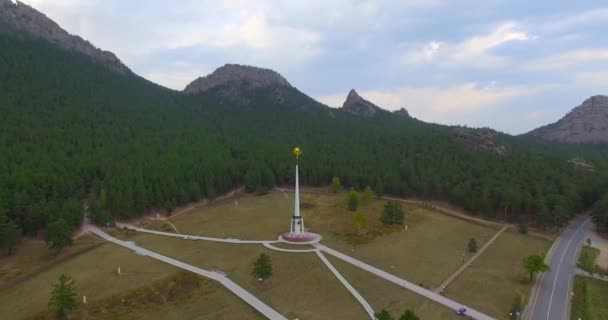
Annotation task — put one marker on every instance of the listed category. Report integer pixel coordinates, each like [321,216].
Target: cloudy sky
[509,64]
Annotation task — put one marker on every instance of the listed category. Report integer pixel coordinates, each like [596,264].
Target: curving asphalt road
[552,301]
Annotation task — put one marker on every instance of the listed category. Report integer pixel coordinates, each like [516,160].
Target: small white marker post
[118,271]
[84,299]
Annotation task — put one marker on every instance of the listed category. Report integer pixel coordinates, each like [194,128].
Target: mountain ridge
[586,123]
[24,18]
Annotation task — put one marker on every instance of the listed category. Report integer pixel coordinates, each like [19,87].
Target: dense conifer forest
[72,130]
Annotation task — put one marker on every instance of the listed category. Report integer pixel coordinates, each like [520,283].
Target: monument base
[300,238]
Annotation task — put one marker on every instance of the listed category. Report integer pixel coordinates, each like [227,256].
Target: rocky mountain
[480,139]
[25,19]
[356,105]
[587,123]
[242,76]
[402,113]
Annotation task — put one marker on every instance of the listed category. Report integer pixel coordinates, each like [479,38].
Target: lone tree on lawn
[534,264]
[409,315]
[262,267]
[368,194]
[336,185]
[58,234]
[383,315]
[63,297]
[392,213]
[472,245]
[361,220]
[352,200]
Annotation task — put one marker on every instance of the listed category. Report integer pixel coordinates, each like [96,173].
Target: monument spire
[297,233]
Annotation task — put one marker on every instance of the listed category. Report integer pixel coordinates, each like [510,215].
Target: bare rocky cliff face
[240,76]
[25,19]
[587,123]
[356,105]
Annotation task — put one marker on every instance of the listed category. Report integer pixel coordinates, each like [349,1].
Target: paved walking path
[383,274]
[271,247]
[584,273]
[250,299]
[405,284]
[362,301]
[193,237]
[469,262]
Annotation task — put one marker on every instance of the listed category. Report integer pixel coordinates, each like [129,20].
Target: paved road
[405,284]
[250,299]
[552,301]
[348,286]
[479,252]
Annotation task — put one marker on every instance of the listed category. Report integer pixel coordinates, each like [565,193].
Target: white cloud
[592,79]
[475,51]
[452,104]
[569,59]
[567,22]
[424,54]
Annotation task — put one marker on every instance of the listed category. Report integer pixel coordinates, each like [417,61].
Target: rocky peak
[239,75]
[356,105]
[402,113]
[27,20]
[587,123]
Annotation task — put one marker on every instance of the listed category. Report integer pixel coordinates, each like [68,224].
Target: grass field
[597,293]
[33,256]
[177,296]
[433,246]
[428,252]
[301,286]
[498,277]
[382,294]
[95,276]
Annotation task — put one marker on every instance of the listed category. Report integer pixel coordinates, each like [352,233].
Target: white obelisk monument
[297,234]
[297,222]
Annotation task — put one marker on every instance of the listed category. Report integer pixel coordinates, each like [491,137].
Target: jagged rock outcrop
[24,19]
[587,123]
[402,113]
[240,76]
[356,105]
[581,164]
[480,139]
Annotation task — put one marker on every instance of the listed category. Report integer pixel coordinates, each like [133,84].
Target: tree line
[71,130]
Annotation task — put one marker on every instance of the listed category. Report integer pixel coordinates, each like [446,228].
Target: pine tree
[392,213]
[352,200]
[361,221]
[383,315]
[368,194]
[262,267]
[58,234]
[336,185]
[409,315]
[63,296]
[472,246]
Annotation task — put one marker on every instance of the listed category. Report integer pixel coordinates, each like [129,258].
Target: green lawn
[33,256]
[382,294]
[597,294]
[95,276]
[432,247]
[497,277]
[301,286]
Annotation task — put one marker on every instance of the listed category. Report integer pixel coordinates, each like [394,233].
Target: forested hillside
[72,130]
